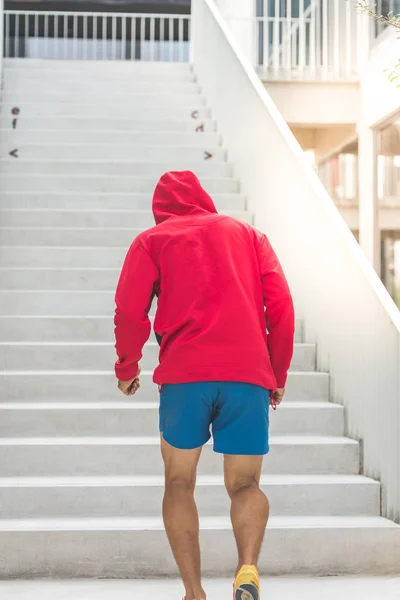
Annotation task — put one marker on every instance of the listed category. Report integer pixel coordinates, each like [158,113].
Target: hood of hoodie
[180,194]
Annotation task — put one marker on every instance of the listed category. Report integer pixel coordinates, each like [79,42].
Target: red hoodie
[220,287]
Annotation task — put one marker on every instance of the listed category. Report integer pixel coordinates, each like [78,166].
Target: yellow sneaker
[247,584]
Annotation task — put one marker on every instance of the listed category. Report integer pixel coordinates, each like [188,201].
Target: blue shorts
[237,413]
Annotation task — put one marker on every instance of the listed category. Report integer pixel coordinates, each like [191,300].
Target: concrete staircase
[80,468]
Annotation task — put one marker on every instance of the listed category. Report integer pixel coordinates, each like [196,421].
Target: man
[220,287]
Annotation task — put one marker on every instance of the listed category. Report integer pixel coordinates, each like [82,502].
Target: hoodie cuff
[281,380]
[126,373]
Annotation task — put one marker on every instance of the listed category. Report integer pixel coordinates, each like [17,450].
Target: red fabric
[219,286]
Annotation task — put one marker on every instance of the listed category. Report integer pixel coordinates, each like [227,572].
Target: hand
[129,388]
[277,397]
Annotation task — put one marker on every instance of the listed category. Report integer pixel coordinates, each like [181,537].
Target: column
[240,16]
[367,194]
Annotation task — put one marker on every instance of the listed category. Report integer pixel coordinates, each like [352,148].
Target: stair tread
[153,523]
[155,480]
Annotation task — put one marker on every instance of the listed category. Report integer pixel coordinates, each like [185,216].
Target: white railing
[96,36]
[321,41]
[347,310]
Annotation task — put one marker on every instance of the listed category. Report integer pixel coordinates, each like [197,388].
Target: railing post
[368,203]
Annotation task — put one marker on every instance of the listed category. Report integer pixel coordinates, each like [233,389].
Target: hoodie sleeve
[279,312]
[133,299]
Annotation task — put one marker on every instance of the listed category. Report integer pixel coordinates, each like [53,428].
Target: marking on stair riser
[14,153]
[207,155]
[195,114]
[200,128]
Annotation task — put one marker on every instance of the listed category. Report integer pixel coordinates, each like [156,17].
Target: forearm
[131,335]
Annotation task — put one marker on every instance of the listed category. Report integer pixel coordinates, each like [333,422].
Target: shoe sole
[247,591]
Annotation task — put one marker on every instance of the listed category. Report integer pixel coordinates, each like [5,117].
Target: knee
[239,484]
[178,483]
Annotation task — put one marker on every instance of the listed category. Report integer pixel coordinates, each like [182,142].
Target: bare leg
[250,506]
[180,515]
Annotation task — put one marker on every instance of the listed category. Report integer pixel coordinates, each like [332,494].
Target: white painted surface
[240,17]
[380,97]
[370,237]
[368,588]
[307,103]
[346,308]
[129,547]
[307,495]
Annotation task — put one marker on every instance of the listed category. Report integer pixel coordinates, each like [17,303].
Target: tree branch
[365,7]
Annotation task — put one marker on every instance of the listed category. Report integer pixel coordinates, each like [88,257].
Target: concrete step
[94,87]
[289,495]
[106,183]
[110,97]
[138,547]
[68,329]
[56,302]
[101,167]
[124,418]
[156,153]
[15,223]
[187,110]
[107,124]
[100,386]
[20,201]
[101,355]
[51,279]
[141,456]
[81,236]
[98,67]
[64,236]
[45,256]
[51,75]
[126,138]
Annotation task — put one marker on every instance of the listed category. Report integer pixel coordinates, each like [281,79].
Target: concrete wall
[316,103]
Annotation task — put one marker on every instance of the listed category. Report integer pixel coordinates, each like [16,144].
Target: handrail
[57,13]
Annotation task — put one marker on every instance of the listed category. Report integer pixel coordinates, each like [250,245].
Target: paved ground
[335,588]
